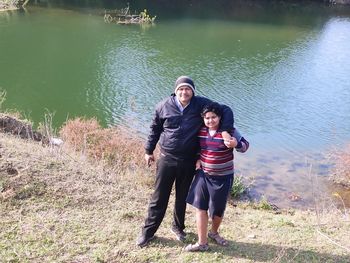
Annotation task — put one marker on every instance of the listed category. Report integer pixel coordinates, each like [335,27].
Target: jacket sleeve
[227,119]
[156,129]
[243,144]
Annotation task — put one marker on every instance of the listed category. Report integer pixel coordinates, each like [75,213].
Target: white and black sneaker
[143,241]
[180,234]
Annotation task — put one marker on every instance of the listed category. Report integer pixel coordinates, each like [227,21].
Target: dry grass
[55,206]
[117,146]
[341,171]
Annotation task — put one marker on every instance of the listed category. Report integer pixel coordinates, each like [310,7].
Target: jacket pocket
[172,122]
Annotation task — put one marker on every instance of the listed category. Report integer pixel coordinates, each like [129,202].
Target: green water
[49,58]
[286,75]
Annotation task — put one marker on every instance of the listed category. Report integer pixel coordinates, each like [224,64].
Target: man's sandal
[196,248]
[218,239]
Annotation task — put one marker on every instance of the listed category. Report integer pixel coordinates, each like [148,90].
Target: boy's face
[211,120]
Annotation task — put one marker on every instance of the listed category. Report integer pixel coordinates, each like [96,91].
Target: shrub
[238,187]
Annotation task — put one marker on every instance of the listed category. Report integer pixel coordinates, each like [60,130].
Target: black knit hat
[184,81]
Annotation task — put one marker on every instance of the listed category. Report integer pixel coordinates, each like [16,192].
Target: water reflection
[303,92]
[306,111]
[127,80]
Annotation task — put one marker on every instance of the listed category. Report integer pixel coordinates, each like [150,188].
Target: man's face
[184,94]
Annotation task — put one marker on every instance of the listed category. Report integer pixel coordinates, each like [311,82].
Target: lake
[284,70]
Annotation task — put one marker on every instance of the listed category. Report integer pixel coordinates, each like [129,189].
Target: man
[175,125]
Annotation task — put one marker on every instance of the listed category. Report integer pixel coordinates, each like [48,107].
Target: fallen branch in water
[12,4]
[124,16]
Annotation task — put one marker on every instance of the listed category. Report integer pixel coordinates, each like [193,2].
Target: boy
[213,181]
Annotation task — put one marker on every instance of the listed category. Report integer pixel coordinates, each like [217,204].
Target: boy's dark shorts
[210,192]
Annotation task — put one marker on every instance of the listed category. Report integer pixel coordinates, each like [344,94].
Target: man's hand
[149,159]
[229,141]
[198,165]
[232,143]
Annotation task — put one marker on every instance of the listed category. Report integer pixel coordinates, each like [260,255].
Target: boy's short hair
[212,107]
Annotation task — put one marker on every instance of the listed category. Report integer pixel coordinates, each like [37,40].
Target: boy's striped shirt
[216,158]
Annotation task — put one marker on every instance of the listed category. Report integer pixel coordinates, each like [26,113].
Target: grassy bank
[60,205]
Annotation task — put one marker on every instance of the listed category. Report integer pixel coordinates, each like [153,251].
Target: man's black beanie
[184,81]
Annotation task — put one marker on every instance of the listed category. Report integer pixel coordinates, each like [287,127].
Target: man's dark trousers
[169,169]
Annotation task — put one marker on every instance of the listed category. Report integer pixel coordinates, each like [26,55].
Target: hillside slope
[55,206]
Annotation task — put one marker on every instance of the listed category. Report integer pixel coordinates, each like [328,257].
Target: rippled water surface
[288,82]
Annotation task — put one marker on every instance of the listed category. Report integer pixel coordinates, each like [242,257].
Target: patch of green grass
[282,221]
[238,187]
[262,204]
[129,215]
[32,189]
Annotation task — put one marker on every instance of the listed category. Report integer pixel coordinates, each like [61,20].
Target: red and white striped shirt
[216,158]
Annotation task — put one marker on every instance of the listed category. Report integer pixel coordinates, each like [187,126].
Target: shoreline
[282,180]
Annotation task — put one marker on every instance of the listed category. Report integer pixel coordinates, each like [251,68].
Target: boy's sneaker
[180,234]
[143,241]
